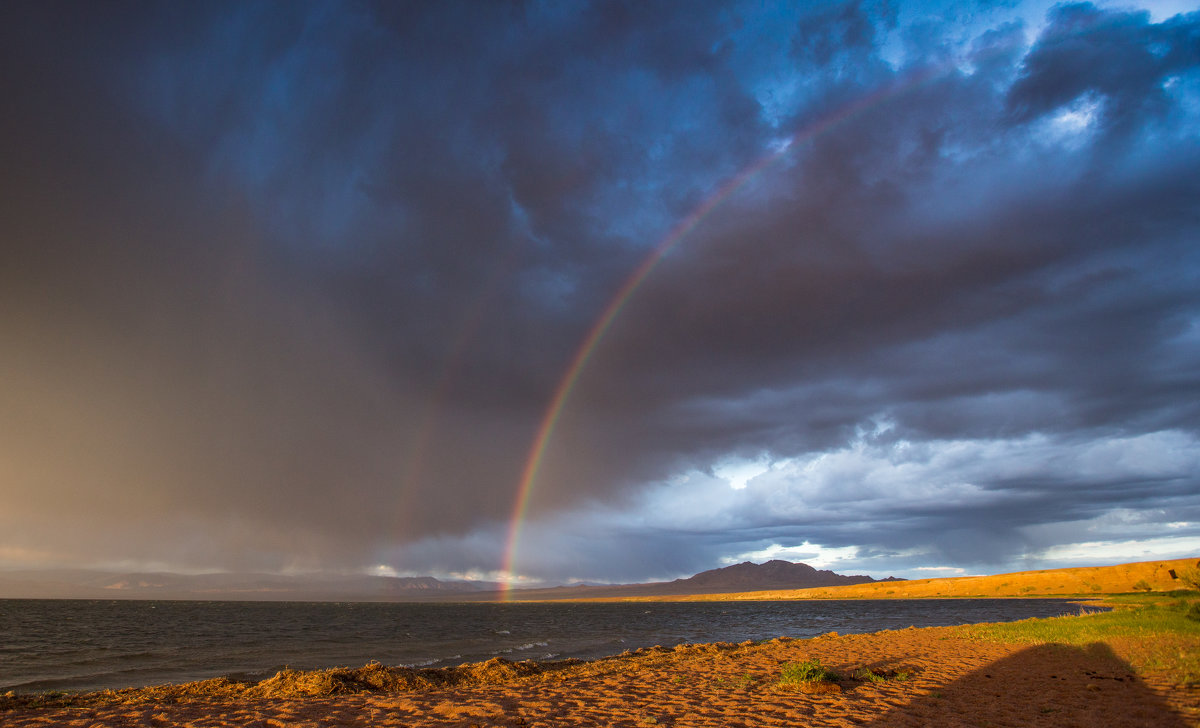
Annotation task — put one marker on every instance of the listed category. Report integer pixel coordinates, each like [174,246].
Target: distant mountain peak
[774,574]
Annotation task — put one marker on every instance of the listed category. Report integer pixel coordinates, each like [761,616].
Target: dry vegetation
[378,679]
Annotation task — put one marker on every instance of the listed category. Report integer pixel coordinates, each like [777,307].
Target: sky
[548,292]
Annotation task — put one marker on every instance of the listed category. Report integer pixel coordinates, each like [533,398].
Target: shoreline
[918,676]
[186,642]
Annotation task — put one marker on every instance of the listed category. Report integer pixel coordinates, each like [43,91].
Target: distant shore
[932,676]
[1090,581]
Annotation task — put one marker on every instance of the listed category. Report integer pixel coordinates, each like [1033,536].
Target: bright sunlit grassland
[1157,633]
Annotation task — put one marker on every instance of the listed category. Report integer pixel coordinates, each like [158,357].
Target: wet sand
[936,677]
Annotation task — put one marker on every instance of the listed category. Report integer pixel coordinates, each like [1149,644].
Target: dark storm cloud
[292,284]
[1119,56]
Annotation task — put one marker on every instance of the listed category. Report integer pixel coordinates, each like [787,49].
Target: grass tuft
[806,671]
[866,674]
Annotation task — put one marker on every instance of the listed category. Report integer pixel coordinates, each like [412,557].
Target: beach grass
[1157,632]
[806,671]
[867,674]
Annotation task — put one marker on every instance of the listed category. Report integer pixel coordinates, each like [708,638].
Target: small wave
[518,648]
[430,661]
[501,631]
[422,663]
[530,646]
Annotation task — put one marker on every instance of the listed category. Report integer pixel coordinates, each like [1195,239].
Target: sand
[949,680]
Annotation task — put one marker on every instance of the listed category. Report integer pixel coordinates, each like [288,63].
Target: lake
[89,645]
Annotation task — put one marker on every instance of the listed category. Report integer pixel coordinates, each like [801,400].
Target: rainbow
[537,451]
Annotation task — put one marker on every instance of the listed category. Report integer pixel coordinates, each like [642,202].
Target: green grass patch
[1152,631]
[806,671]
[1131,616]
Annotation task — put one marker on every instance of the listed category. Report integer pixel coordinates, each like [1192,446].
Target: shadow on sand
[1046,685]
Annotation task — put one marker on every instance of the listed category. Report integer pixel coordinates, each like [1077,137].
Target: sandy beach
[935,676]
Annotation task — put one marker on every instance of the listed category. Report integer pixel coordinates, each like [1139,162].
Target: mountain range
[743,577]
[89,584]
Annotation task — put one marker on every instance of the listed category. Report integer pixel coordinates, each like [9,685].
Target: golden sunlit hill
[1093,580]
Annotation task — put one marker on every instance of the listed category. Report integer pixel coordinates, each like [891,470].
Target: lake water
[88,645]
